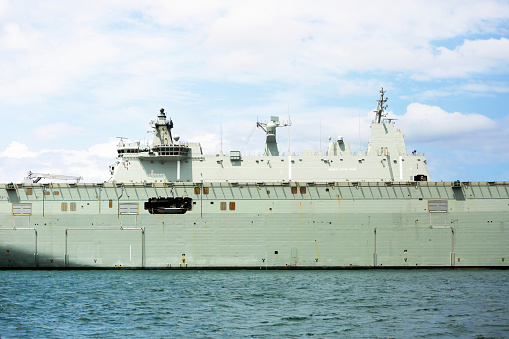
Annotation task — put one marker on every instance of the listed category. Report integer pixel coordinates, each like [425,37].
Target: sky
[76,75]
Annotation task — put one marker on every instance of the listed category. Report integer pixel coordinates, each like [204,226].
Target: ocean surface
[218,304]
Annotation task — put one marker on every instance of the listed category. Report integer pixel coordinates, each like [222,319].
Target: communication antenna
[289,151]
[221,130]
[289,126]
[380,110]
[320,135]
[359,129]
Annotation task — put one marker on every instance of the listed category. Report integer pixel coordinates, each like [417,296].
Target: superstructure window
[63,207]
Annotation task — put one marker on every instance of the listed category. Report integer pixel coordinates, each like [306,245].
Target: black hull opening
[177,205]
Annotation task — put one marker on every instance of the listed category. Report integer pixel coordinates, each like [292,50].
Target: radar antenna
[380,110]
[270,131]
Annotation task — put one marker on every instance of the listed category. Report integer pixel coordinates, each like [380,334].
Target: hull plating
[329,225]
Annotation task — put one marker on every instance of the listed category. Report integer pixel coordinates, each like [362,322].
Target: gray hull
[168,205]
[241,225]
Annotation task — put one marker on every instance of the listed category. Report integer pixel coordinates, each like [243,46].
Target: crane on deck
[36,177]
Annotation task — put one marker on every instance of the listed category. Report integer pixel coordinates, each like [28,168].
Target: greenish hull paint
[325,225]
[169,206]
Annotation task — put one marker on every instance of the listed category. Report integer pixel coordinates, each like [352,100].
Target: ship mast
[380,110]
[270,130]
[162,129]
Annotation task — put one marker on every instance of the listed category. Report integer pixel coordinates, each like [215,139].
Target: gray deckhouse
[170,160]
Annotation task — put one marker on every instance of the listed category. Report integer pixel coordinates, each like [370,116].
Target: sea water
[258,303]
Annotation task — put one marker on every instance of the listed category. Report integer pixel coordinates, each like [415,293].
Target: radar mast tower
[380,110]
[270,130]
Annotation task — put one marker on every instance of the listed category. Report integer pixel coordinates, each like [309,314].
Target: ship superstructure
[169,160]
[169,206]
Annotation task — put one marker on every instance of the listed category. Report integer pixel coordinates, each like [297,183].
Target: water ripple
[218,304]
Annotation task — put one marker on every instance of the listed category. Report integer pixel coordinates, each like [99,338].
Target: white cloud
[13,38]
[427,126]
[81,157]
[485,87]
[463,136]
[57,131]
[442,122]
[92,163]
[469,88]
[4,5]
[18,150]
[127,43]
[471,57]
[361,87]
[120,61]
[106,150]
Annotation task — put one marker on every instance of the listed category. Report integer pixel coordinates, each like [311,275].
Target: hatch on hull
[177,205]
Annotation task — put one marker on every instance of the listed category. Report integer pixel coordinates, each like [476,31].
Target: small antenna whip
[289,127]
[289,151]
[221,130]
[359,129]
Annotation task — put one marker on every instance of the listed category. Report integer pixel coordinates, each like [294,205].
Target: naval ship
[170,206]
